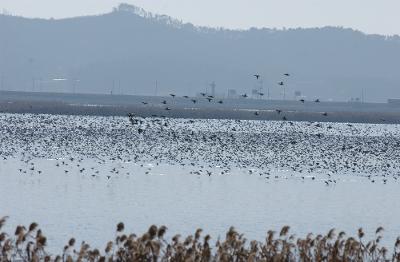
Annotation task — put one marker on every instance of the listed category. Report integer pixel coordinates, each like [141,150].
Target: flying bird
[244,95]
[257,76]
[281,83]
[287,74]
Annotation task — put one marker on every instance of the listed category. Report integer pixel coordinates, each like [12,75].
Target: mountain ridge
[130,49]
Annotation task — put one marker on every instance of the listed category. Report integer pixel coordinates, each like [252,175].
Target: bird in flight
[173,95]
[185,96]
[194,101]
[286,74]
[302,100]
[245,95]
[317,101]
[203,94]
[257,76]
[281,83]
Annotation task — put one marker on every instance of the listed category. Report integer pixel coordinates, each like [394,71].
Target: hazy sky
[371,16]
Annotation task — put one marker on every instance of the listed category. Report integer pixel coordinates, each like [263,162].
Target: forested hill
[128,50]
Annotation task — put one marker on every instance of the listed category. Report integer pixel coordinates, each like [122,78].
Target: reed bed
[29,244]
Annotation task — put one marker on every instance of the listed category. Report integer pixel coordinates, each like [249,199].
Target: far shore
[178,107]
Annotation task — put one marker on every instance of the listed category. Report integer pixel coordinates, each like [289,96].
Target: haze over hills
[128,50]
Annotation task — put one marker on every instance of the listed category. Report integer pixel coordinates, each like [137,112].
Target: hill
[128,50]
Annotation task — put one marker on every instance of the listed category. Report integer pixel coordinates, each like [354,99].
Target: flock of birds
[211,98]
[104,147]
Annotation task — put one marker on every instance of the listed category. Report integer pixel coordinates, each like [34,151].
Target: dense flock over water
[77,176]
[208,147]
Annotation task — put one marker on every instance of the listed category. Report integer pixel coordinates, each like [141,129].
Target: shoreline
[236,109]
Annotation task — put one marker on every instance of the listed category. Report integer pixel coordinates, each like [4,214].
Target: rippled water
[145,192]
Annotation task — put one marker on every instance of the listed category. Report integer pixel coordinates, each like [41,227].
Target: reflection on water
[88,208]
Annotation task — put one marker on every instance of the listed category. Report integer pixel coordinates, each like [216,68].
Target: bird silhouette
[244,95]
[257,76]
[281,83]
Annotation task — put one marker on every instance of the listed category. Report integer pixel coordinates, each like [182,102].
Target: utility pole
[362,95]
[74,84]
[33,84]
[2,83]
[261,88]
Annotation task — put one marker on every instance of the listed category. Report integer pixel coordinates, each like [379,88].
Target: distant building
[355,99]
[232,93]
[395,101]
[213,85]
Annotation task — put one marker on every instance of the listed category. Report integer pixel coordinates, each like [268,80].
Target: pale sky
[370,16]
